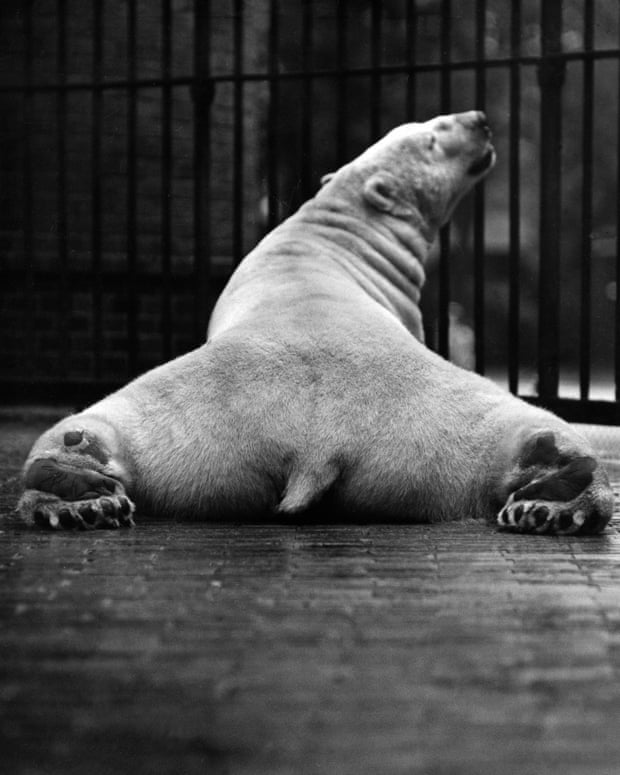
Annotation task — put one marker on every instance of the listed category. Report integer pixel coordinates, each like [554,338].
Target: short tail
[306,487]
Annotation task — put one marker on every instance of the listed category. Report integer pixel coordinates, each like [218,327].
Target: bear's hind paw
[544,517]
[48,511]
[556,493]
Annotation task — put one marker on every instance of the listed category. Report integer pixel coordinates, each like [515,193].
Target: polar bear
[314,392]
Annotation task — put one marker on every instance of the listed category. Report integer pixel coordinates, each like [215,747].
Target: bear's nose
[483,123]
[477,120]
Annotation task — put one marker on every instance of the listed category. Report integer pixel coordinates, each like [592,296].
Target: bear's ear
[326,178]
[381,192]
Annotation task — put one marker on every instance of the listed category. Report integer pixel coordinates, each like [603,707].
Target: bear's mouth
[483,163]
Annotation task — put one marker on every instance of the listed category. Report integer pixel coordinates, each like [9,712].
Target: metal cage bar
[443,317]
[376,82]
[551,79]
[586,205]
[411,31]
[272,118]
[64,298]
[166,182]
[460,65]
[27,171]
[479,209]
[343,102]
[617,262]
[514,203]
[307,23]
[238,177]
[203,91]
[96,199]
[132,193]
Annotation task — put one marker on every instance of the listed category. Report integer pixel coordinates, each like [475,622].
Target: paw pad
[539,515]
[565,520]
[88,513]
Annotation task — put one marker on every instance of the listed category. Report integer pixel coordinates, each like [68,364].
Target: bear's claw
[47,511]
[544,517]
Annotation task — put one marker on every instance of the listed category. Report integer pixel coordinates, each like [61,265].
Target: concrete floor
[304,649]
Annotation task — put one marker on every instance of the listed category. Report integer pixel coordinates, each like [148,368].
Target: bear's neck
[384,256]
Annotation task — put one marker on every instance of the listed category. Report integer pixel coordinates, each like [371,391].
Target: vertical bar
[586,203]
[272,118]
[132,244]
[61,193]
[96,233]
[29,290]
[411,28]
[166,182]
[375,64]
[307,184]
[203,95]
[551,78]
[443,337]
[341,140]
[479,249]
[617,311]
[238,132]
[514,204]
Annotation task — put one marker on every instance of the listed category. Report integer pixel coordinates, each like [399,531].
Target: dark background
[145,147]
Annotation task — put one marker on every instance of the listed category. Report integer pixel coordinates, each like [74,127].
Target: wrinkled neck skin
[383,254]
